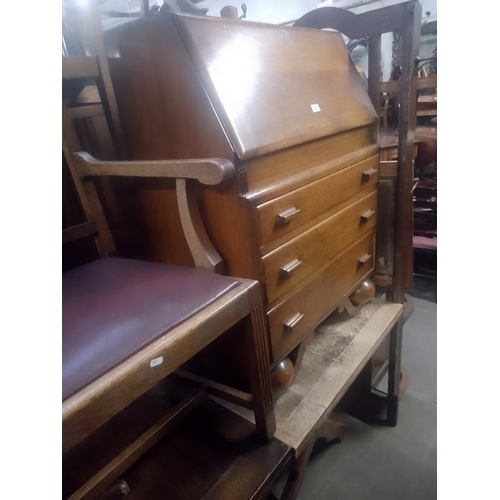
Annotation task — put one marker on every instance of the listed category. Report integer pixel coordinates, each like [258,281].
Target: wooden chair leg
[118,490]
[331,431]
[297,473]
[260,373]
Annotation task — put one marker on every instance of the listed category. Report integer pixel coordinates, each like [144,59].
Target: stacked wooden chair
[127,324]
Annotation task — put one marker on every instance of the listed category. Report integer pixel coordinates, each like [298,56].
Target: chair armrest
[209,171]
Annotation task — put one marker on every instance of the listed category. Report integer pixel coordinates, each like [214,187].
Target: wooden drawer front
[312,303]
[281,215]
[301,256]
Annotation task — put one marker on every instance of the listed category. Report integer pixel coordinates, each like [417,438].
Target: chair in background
[128,324]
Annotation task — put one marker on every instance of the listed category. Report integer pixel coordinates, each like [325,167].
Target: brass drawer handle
[364,259]
[292,322]
[368,174]
[365,216]
[286,216]
[287,271]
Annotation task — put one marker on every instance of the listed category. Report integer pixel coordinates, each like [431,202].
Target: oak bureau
[288,108]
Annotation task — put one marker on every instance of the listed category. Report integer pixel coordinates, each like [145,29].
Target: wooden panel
[423,82]
[327,288]
[276,174]
[165,113]
[80,231]
[80,67]
[318,245]
[279,216]
[261,76]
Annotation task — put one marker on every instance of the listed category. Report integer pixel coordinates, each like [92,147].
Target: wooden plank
[331,362]
[403,230]
[423,82]
[79,67]
[340,368]
[85,188]
[374,60]
[87,111]
[83,230]
[221,390]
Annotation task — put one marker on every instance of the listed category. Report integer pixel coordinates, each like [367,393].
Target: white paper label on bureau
[156,362]
[315,108]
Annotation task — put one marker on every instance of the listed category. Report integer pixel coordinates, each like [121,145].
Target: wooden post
[374,57]
[403,233]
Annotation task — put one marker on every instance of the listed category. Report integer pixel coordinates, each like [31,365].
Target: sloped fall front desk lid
[274,86]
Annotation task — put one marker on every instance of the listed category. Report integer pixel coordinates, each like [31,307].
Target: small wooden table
[341,348]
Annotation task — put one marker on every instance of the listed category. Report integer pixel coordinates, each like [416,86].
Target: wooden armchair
[127,324]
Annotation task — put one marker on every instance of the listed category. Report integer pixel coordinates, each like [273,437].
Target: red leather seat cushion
[113,307]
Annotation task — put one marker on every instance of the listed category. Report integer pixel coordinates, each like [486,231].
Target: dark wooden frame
[405,18]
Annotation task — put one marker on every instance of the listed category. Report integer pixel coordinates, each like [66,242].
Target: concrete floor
[389,463]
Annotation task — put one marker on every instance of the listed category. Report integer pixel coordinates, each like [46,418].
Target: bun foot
[282,375]
[363,293]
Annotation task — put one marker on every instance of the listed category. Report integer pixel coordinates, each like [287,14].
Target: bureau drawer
[301,256]
[279,216]
[297,315]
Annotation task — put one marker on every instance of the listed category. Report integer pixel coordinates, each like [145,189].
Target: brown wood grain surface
[260,96]
[285,79]
[317,245]
[329,284]
[315,198]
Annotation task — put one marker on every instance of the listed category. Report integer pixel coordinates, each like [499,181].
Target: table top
[341,347]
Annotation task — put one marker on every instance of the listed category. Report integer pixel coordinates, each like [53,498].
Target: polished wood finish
[405,18]
[329,284]
[282,375]
[209,452]
[303,204]
[339,230]
[366,290]
[259,95]
[85,189]
[209,172]
[89,409]
[285,63]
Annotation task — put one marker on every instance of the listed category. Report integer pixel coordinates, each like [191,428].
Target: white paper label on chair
[156,362]
[315,108]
